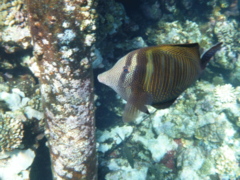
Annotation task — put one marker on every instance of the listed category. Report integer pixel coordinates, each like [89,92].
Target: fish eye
[125,69]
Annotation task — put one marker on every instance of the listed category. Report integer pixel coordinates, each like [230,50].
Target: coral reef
[152,144]
[121,171]
[15,34]
[114,134]
[185,140]
[197,137]
[226,33]
[17,111]
[15,164]
[11,125]
[203,113]
[177,32]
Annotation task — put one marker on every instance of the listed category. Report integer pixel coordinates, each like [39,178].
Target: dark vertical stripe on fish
[171,66]
[167,76]
[139,73]
[176,76]
[155,78]
[163,64]
[122,78]
[159,76]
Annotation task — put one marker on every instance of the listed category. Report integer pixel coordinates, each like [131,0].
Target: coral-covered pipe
[63,34]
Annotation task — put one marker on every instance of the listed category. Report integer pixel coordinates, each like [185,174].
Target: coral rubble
[15,164]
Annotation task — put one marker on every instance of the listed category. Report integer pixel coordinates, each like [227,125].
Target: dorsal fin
[186,45]
[209,54]
[189,50]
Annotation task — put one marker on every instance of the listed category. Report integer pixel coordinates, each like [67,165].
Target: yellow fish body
[155,75]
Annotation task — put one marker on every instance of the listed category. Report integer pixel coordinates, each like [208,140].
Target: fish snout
[102,78]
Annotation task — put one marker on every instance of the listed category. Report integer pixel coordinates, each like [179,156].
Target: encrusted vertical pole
[63,34]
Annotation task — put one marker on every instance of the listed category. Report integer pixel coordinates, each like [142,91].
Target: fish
[156,75]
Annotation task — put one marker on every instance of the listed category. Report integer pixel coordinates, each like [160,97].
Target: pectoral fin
[140,100]
[130,113]
[135,104]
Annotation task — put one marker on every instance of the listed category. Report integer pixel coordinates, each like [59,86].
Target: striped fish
[156,75]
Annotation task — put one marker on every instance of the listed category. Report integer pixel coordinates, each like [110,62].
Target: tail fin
[209,54]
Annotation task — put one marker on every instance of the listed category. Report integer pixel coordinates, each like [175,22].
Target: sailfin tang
[209,54]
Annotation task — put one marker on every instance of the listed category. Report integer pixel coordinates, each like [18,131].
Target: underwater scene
[120,89]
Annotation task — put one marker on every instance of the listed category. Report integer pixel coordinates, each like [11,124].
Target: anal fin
[163,105]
